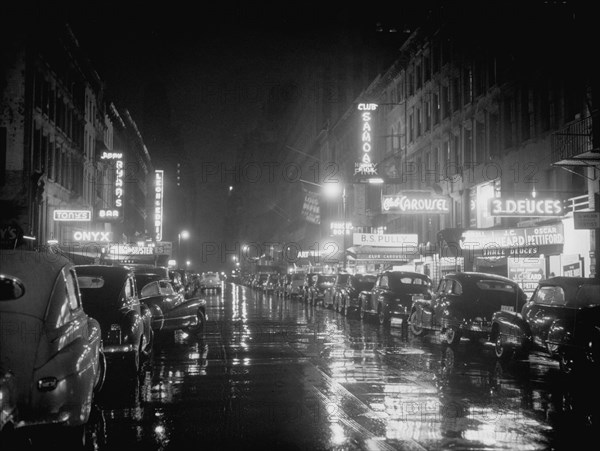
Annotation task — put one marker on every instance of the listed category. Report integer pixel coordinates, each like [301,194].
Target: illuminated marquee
[92,236]
[72,215]
[119,172]
[158,203]
[365,166]
[411,204]
[525,207]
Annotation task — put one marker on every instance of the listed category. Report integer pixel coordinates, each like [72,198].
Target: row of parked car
[65,328]
[560,319]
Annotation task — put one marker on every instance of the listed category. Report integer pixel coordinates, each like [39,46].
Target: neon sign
[92,236]
[408,204]
[72,215]
[158,203]
[119,172]
[526,207]
[365,166]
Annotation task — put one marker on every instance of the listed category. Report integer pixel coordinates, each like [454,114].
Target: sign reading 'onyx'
[525,207]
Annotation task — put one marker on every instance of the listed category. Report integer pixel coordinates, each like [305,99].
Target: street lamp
[185,235]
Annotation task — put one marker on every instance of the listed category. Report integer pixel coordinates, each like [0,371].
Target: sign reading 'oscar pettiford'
[406,203]
[526,207]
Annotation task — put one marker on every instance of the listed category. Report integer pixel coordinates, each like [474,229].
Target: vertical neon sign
[158,203]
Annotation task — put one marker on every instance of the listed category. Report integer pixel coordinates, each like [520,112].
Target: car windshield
[326,279]
[398,280]
[94,289]
[141,280]
[496,285]
[343,278]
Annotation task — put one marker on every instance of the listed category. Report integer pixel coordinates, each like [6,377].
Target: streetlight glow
[332,189]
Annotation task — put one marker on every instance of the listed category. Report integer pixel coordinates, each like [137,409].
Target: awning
[382,254]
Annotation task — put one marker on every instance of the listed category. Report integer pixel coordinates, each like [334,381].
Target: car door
[440,301]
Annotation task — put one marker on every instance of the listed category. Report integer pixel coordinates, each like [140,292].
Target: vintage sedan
[347,289]
[316,291]
[109,295]
[562,319]
[463,305]
[210,281]
[391,295]
[295,288]
[50,345]
[170,310]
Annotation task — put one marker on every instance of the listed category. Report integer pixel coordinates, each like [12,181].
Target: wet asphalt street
[279,374]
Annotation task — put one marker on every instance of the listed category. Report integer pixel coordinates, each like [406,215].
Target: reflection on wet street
[284,375]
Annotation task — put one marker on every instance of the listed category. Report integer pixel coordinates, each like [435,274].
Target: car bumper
[116,351]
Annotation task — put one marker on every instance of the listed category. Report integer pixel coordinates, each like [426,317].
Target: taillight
[47,383]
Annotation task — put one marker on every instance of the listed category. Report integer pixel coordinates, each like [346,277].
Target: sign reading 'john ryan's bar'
[410,203]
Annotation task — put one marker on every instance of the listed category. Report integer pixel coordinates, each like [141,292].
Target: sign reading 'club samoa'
[72,215]
[405,203]
[525,207]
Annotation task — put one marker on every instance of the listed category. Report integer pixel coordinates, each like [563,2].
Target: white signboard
[586,219]
[385,240]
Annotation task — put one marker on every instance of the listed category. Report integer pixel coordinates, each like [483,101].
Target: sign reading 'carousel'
[409,203]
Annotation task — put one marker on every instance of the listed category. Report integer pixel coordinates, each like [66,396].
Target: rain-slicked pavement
[279,374]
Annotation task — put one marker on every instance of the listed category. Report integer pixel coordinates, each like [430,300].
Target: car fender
[510,324]
[559,333]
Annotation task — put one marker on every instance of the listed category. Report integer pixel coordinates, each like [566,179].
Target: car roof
[39,272]
[474,275]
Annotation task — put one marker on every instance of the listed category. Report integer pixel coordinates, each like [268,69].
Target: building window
[411,120]
[455,94]
[427,115]
[480,149]
[468,145]
[419,122]
[419,76]
[446,101]
[508,119]
[525,115]
[436,108]
[467,85]
[494,135]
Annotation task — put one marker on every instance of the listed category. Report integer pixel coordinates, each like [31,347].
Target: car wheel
[383,315]
[101,372]
[417,331]
[500,349]
[451,336]
[131,364]
[73,437]
[148,348]
[199,329]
